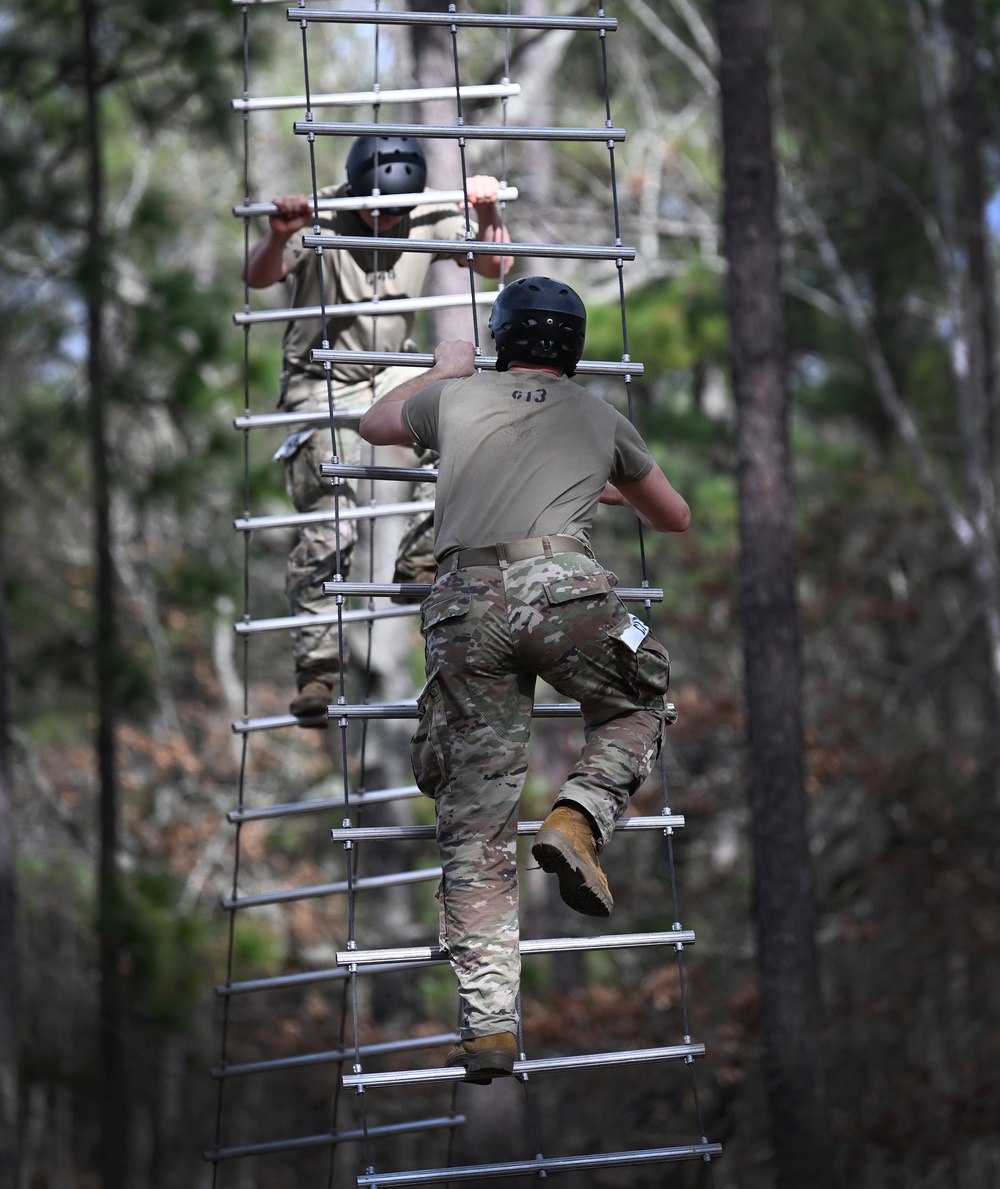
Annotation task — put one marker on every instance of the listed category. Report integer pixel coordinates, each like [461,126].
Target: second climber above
[388,165]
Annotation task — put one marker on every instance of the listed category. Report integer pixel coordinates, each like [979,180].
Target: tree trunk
[9,1081]
[434,66]
[792,1018]
[113,1102]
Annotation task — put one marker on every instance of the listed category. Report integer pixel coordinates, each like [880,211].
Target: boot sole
[578,885]
[482,1068]
[311,712]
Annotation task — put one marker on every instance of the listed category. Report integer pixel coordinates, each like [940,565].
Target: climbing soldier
[526,456]
[388,165]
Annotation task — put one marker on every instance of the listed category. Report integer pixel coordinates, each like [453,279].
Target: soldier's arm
[383,423]
[266,262]
[653,499]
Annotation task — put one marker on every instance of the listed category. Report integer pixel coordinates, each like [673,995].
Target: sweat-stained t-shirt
[523,454]
[351,276]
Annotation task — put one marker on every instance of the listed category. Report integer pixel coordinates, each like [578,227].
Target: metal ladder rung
[333,974]
[332,1056]
[676,937]
[348,470]
[287,622]
[323,804]
[304,417]
[525,829]
[361,615]
[458,131]
[468,247]
[471,1172]
[393,305]
[384,710]
[328,1140]
[484,363]
[362,884]
[411,1077]
[540,945]
[363,98]
[291,520]
[628,594]
[463,20]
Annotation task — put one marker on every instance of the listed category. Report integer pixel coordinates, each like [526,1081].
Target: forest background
[122,576]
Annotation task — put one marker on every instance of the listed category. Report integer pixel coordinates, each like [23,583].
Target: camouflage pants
[323,550]
[488,633]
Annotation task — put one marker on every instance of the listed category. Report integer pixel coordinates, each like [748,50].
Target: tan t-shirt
[523,454]
[351,276]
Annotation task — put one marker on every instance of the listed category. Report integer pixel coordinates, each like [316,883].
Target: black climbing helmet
[389,164]
[537,318]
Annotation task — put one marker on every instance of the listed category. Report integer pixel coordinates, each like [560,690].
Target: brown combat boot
[565,846]
[485,1057]
[309,705]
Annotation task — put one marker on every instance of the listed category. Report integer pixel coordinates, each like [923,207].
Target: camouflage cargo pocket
[643,659]
[430,754]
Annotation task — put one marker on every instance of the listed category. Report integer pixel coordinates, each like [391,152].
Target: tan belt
[508,551]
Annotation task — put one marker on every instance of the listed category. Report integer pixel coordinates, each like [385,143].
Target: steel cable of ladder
[244,749]
[668,833]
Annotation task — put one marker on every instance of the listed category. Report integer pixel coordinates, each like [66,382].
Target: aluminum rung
[384,710]
[461,20]
[328,1140]
[486,363]
[304,417]
[372,202]
[360,615]
[377,98]
[468,247]
[283,982]
[411,1077]
[472,1172]
[305,978]
[542,945]
[345,470]
[322,805]
[525,829]
[628,594]
[291,520]
[362,884]
[332,1056]
[392,305]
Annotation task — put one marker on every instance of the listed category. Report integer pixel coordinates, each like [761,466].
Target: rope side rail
[383,710]
[374,202]
[525,829]
[343,888]
[463,132]
[546,945]
[375,98]
[467,247]
[332,1056]
[330,1138]
[250,523]
[396,305]
[421,957]
[457,20]
[414,1077]
[322,805]
[542,1165]
[626,367]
